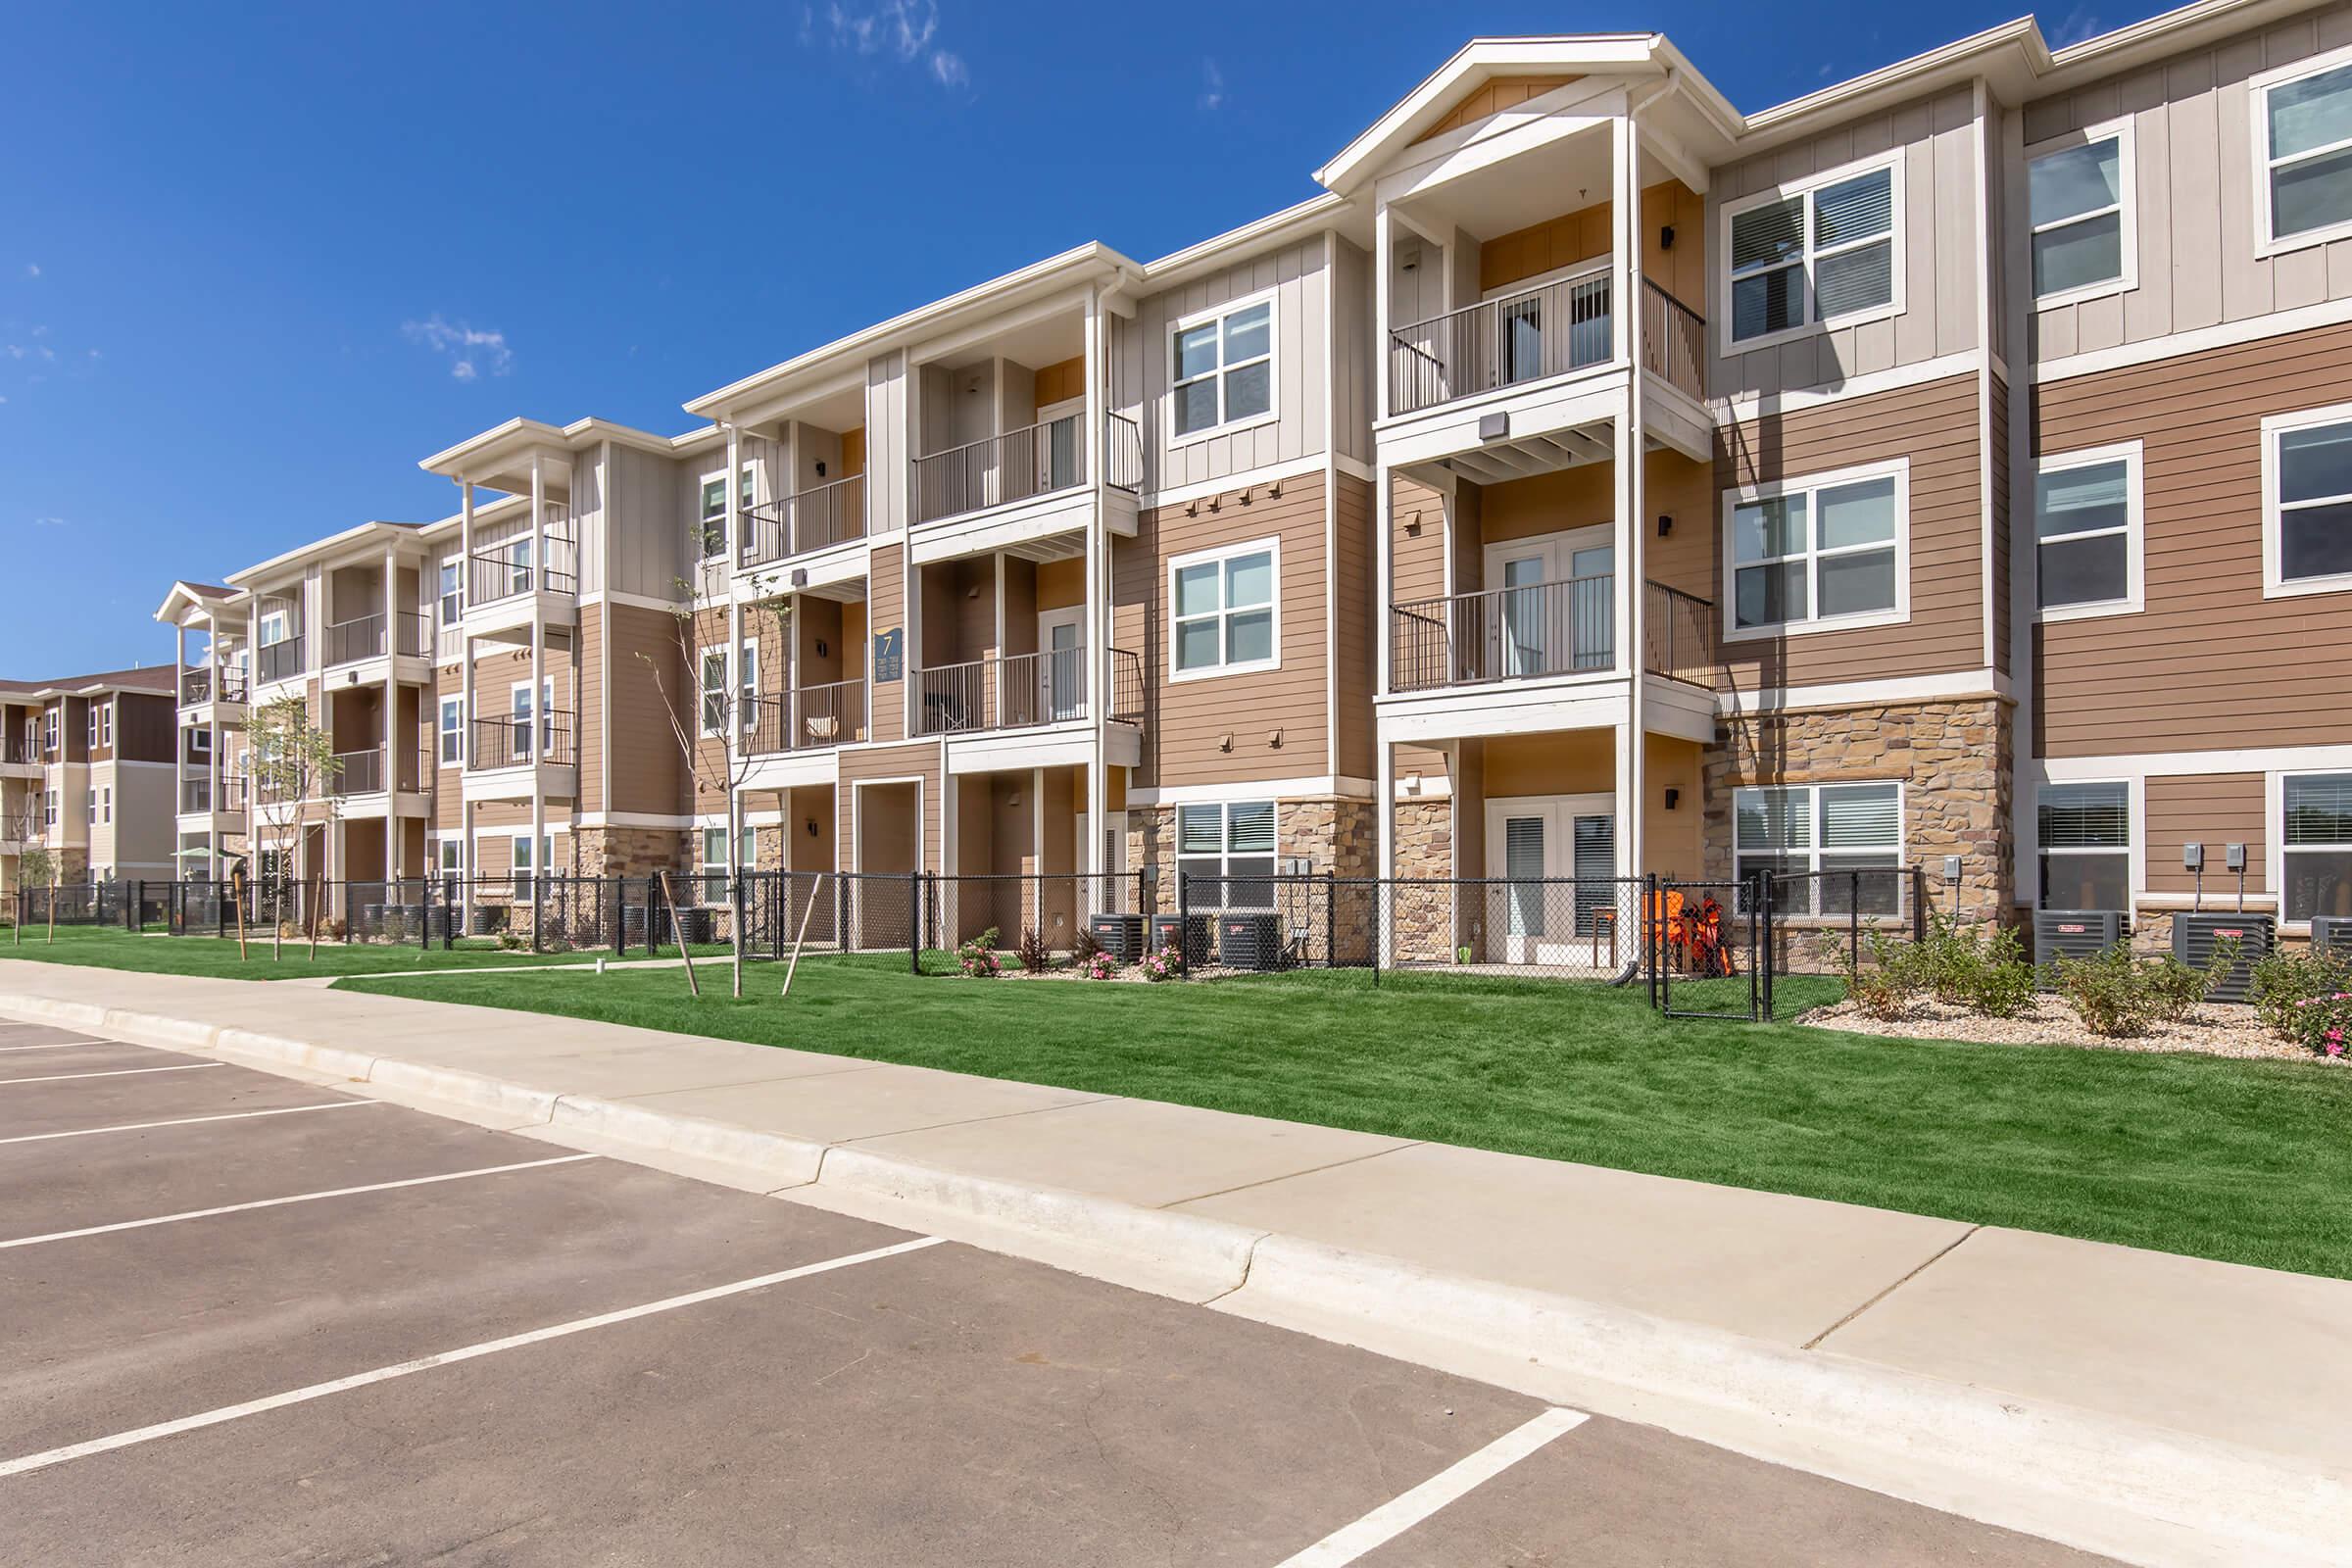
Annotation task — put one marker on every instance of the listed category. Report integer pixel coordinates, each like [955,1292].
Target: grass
[2247,1161]
[111,948]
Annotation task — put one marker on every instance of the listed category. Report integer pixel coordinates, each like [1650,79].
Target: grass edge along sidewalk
[2240,1161]
[217,957]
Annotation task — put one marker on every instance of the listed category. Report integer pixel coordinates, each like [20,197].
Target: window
[521,866]
[106,723]
[746,673]
[2307,502]
[2085,839]
[520,712]
[452,858]
[1223,369]
[49,809]
[273,626]
[1225,854]
[712,519]
[2087,532]
[451,603]
[93,806]
[90,716]
[1821,553]
[2317,833]
[1799,829]
[106,803]
[49,730]
[714,691]
[2078,203]
[1222,610]
[2303,152]
[1818,254]
[200,745]
[519,554]
[452,730]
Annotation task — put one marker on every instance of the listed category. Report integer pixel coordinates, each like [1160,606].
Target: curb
[2104,1483]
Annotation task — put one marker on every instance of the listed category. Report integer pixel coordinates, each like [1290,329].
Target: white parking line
[117,1072]
[57,1044]
[299,1198]
[426,1364]
[184,1122]
[1395,1517]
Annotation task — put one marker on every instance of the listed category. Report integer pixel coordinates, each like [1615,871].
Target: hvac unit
[1119,934]
[488,920]
[1195,936]
[2073,933]
[2194,937]
[1249,940]
[2331,933]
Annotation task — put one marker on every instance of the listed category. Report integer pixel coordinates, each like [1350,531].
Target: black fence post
[1184,927]
[425,914]
[1331,918]
[840,911]
[1648,941]
[1919,903]
[1853,921]
[915,922]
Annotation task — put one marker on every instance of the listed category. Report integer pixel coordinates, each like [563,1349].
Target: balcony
[500,743]
[1033,463]
[1544,630]
[200,686]
[201,795]
[809,719]
[508,571]
[352,642]
[1022,692]
[280,660]
[361,772]
[15,751]
[1674,342]
[1541,333]
[813,520]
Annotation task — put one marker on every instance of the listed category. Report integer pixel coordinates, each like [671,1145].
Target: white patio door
[1062,664]
[1555,612]
[1558,856]
[1059,455]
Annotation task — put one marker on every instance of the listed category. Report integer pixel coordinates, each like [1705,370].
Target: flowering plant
[2323,1024]
[978,957]
[1167,963]
[1101,966]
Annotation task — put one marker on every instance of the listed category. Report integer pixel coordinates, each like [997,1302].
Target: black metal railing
[1122,453]
[363,637]
[357,773]
[1677,630]
[1674,340]
[280,660]
[806,720]
[812,519]
[510,569]
[1549,628]
[1544,331]
[1127,690]
[17,750]
[195,686]
[1018,691]
[1033,461]
[506,742]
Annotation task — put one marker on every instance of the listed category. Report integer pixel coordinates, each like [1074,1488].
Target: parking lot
[247,1320]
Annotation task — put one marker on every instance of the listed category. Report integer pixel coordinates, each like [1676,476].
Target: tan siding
[912,759]
[886,611]
[591,705]
[1418,542]
[1587,233]
[648,774]
[1493,98]
[2215,810]
[2210,663]
[1936,427]
[1354,636]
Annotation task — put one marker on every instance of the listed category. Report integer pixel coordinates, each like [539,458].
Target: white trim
[2198,340]
[1814,850]
[1744,408]
[2275,585]
[2134,846]
[1270,299]
[652,820]
[2192,764]
[2125,133]
[1951,686]
[2274,816]
[2134,599]
[1314,787]
[1270,545]
[1813,325]
[1811,485]
[2266,241]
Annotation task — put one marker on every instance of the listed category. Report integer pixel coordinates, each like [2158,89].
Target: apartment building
[86,773]
[1947,468]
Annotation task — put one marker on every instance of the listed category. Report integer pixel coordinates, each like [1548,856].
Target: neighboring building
[1594,480]
[85,772]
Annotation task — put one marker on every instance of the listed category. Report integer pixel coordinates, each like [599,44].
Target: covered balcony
[1542,630]
[811,718]
[518,573]
[204,685]
[1023,691]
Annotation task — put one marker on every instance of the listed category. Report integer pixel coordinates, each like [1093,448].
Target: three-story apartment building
[86,773]
[1947,468]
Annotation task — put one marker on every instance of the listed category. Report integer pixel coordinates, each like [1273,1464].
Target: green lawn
[2249,1161]
[111,948]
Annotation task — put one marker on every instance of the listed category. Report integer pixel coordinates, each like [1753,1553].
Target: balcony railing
[195,794]
[1679,632]
[827,514]
[506,571]
[1544,331]
[1674,341]
[1549,628]
[357,772]
[1020,691]
[350,641]
[280,660]
[17,750]
[806,720]
[506,742]
[197,686]
[1033,461]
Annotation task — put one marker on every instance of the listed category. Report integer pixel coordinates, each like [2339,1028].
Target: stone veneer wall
[1428,922]
[1953,759]
[628,850]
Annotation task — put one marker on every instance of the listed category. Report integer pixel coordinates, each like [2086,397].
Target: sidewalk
[2163,1409]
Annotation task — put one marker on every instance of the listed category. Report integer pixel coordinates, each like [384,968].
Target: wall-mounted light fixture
[812,827]
[820,467]
[1673,798]
[1665,525]
[1666,236]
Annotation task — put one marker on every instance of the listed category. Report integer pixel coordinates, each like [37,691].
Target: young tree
[35,866]
[290,757]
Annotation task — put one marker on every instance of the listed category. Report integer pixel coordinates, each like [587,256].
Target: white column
[467,859]
[732,707]
[1632,510]
[1384,238]
[179,735]
[1098,600]
[392,723]
[539,703]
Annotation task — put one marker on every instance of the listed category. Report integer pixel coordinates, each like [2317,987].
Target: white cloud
[2080,23]
[902,31]
[33,270]
[1212,86]
[470,350]
[49,522]
[16,351]
[948,69]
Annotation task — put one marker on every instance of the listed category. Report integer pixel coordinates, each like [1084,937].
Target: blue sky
[252,270]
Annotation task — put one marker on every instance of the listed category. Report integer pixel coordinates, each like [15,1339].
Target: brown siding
[2215,810]
[1493,98]
[2210,663]
[1417,541]
[1588,233]
[591,705]
[1354,638]
[143,725]
[912,759]
[886,611]
[648,774]
[1192,718]
[1936,427]
[2000,524]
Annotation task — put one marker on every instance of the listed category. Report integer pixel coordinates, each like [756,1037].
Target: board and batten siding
[1935,427]
[885,609]
[1354,361]
[1188,720]
[2209,663]
[649,520]
[2196,193]
[1940,250]
[1298,276]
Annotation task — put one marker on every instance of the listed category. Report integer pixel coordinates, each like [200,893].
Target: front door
[1556,859]
[1556,608]
[1062,664]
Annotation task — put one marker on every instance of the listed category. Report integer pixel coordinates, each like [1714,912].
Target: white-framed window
[1221,369]
[1824,251]
[521,552]
[2089,533]
[2080,206]
[2302,140]
[452,856]
[106,723]
[2307,502]
[747,684]
[275,624]
[1821,553]
[714,691]
[106,803]
[521,711]
[2314,845]
[200,745]
[1224,610]
[2084,832]
[452,604]
[90,718]
[452,730]
[1225,854]
[712,517]
[93,806]
[1823,828]
[49,808]
[49,730]
[520,864]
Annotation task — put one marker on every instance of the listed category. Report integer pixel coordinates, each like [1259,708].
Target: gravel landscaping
[2217,1029]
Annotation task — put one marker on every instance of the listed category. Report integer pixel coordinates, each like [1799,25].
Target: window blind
[2086,817]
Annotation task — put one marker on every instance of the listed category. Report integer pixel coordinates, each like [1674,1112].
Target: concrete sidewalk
[2158,1408]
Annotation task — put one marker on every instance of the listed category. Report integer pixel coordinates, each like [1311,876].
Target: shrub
[1165,964]
[511,941]
[1982,969]
[2282,980]
[1036,958]
[2179,989]
[1889,982]
[2323,1024]
[978,957]
[1101,966]
[2112,992]
[1083,947]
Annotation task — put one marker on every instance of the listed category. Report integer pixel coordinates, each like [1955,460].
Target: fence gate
[1708,946]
